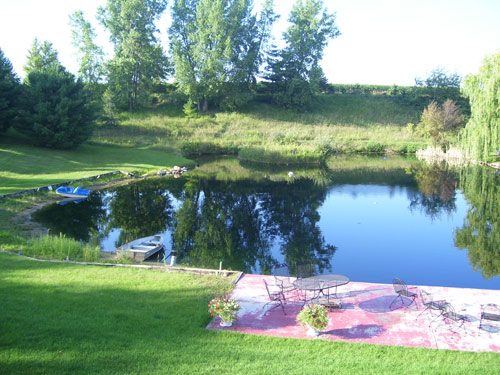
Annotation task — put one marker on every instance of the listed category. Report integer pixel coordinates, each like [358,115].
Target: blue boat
[70,192]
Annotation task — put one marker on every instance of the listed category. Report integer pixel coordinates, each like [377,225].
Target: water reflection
[480,233]
[253,218]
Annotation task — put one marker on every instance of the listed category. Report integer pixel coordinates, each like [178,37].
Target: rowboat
[142,248]
[70,192]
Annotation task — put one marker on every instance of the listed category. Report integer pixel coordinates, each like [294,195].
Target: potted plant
[224,307]
[314,317]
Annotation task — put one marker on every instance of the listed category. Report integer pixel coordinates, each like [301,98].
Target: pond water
[371,219]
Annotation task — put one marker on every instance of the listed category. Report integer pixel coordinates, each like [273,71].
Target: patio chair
[403,291]
[450,316]
[489,313]
[276,298]
[303,270]
[430,304]
[282,278]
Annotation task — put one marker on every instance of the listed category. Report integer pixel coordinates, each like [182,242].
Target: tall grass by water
[62,248]
[72,319]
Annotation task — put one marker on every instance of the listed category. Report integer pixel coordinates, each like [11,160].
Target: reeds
[62,248]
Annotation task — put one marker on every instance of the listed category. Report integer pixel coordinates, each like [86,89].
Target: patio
[366,316]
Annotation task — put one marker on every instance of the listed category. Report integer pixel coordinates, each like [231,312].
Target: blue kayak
[70,192]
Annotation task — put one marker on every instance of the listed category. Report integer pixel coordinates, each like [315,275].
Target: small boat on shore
[70,192]
[141,248]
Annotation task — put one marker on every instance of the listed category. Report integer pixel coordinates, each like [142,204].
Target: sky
[382,41]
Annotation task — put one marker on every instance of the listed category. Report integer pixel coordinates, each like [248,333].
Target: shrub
[314,316]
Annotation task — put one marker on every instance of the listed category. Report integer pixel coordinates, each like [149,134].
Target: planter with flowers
[314,317]
[224,307]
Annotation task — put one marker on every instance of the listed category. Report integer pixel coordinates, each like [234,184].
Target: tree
[436,120]
[481,135]
[40,57]
[9,91]
[295,69]
[90,57]
[55,111]
[139,59]
[217,48]
[440,77]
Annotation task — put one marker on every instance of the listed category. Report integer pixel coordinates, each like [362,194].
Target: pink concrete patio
[366,317]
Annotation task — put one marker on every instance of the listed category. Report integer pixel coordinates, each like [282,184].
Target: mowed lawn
[72,319]
[24,167]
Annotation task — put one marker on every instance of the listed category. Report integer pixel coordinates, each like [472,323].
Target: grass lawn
[71,319]
[26,167]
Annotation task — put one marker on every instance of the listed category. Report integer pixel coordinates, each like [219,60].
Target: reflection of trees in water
[480,233]
[437,186]
[140,210]
[76,220]
[238,221]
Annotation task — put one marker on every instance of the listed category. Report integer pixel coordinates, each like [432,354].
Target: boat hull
[142,248]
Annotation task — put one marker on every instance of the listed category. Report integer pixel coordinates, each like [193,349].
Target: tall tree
[9,90]
[481,135]
[217,48]
[295,69]
[40,57]
[90,55]
[139,59]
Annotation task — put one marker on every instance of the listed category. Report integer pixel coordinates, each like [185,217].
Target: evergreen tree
[295,69]
[40,57]
[139,59]
[55,111]
[481,135]
[9,90]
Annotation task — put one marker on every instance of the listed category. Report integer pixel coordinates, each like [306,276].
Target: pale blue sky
[382,42]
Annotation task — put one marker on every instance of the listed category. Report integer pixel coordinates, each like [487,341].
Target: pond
[371,219]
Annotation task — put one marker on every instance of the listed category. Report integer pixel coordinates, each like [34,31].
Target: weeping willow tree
[481,135]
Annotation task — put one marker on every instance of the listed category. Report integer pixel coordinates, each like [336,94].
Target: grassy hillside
[261,132]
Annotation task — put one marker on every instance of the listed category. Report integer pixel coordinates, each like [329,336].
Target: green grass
[70,319]
[25,167]
[60,247]
[259,132]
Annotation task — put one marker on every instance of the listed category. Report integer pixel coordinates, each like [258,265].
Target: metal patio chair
[276,298]
[403,291]
[431,305]
[282,278]
[304,270]
[450,316]
[489,313]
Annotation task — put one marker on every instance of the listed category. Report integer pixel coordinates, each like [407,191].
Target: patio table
[318,284]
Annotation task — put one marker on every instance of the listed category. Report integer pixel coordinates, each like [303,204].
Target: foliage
[139,59]
[314,316]
[189,109]
[60,247]
[439,77]
[481,135]
[90,56]
[295,69]
[436,120]
[55,110]
[217,49]
[224,307]
[40,57]
[9,92]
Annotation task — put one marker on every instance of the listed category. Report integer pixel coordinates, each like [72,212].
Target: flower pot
[312,331]
[225,324]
